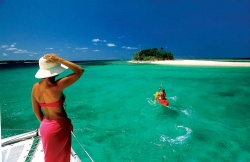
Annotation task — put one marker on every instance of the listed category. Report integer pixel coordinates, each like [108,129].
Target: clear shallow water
[115,119]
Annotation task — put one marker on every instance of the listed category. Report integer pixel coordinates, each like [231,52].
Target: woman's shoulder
[35,85]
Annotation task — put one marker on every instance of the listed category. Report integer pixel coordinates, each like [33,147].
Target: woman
[162,95]
[47,103]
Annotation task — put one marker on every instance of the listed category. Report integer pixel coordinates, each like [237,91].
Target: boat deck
[26,147]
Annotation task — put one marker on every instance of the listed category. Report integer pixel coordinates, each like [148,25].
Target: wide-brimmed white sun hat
[49,69]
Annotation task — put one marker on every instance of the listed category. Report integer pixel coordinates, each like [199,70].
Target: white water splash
[173,98]
[186,112]
[150,101]
[178,139]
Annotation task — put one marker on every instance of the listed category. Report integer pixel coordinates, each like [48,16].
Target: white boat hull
[26,147]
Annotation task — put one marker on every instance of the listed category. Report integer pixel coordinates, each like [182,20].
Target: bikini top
[54,104]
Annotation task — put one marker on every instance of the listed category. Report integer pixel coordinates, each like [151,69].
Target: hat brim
[45,73]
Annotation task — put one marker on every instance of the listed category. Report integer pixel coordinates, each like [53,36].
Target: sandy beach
[196,63]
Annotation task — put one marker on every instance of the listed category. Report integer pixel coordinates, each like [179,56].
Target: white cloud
[110,44]
[130,48]
[96,40]
[13,45]
[84,48]
[11,49]
[21,51]
[96,50]
[49,48]
[3,46]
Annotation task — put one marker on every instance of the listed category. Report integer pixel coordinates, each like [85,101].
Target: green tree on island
[153,54]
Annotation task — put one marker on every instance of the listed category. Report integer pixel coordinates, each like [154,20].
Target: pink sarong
[56,139]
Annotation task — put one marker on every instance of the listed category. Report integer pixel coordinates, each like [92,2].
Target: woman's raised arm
[71,78]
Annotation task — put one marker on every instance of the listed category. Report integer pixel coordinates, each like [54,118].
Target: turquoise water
[115,119]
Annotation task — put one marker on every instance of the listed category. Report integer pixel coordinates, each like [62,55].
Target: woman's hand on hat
[51,58]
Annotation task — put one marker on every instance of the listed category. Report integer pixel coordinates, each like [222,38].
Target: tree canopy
[153,54]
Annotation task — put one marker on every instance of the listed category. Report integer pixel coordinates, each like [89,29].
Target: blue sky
[116,29]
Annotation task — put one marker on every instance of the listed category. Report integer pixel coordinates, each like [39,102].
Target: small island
[152,54]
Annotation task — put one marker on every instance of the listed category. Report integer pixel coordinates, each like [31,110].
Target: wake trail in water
[178,139]
[151,101]
[172,100]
